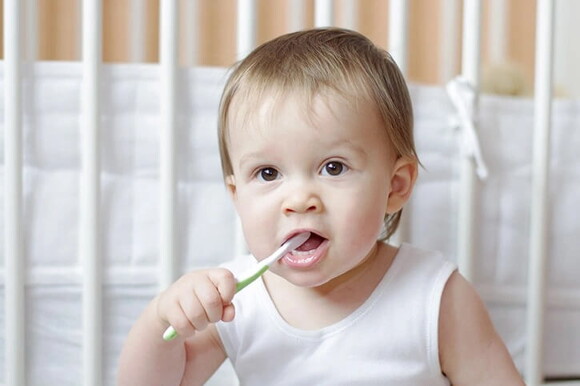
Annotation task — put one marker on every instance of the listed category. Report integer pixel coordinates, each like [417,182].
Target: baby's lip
[308,254]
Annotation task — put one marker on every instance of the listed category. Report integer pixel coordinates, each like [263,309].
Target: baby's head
[320,62]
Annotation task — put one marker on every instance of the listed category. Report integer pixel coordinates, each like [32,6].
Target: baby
[316,134]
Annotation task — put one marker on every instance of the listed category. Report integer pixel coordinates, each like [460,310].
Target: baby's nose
[302,202]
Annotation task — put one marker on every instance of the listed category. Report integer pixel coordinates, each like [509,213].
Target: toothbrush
[257,271]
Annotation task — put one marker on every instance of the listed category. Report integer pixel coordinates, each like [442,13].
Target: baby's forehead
[260,109]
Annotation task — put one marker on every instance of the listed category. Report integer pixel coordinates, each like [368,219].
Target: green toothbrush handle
[169,334]
[240,285]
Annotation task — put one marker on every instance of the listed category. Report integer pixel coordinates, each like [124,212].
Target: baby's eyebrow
[342,142]
[251,157]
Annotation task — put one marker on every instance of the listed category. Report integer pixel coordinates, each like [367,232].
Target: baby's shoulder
[422,264]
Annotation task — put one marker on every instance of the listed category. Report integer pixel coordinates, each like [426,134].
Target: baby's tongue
[312,243]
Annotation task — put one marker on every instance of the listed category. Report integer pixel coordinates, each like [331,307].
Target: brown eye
[268,174]
[334,168]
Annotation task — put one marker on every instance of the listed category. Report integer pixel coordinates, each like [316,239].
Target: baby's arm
[470,350]
[192,305]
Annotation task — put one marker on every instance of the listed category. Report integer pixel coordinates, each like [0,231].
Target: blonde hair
[319,60]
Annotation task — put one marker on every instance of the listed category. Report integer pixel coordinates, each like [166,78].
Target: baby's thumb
[228,313]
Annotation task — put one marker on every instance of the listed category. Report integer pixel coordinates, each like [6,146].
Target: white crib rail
[167,167]
[14,262]
[497,43]
[190,9]
[399,32]
[323,13]
[350,14]
[137,30]
[540,182]
[470,68]
[450,14]
[246,30]
[398,48]
[246,42]
[89,246]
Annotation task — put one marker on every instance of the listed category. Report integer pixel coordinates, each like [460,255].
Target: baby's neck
[319,307]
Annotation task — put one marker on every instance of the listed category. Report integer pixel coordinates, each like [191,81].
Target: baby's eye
[267,174]
[334,168]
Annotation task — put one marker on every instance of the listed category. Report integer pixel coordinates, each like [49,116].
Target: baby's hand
[198,299]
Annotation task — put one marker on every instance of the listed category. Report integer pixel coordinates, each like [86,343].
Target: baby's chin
[317,280]
[306,280]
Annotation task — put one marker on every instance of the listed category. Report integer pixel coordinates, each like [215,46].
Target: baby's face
[327,171]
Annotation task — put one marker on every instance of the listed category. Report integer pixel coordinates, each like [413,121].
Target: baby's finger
[180,321]
[229,313]
[195,312]
[211,301]
[225,282]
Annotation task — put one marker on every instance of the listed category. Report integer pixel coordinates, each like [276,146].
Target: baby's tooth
[302,253]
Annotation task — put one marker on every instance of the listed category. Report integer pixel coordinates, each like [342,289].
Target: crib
[112,187]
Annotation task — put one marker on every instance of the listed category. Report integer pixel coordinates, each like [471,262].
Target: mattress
[130,128]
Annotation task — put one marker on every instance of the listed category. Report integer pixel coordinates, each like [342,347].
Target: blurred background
[208,28]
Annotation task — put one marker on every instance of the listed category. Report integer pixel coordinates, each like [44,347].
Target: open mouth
[309,245]
[309,253]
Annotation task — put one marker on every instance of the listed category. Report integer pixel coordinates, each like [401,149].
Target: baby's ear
[231,186]
[402,183]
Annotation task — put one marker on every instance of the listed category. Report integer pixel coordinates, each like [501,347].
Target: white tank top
[391,339]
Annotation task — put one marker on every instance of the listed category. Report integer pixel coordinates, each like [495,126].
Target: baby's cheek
[258,229]
[366,222]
